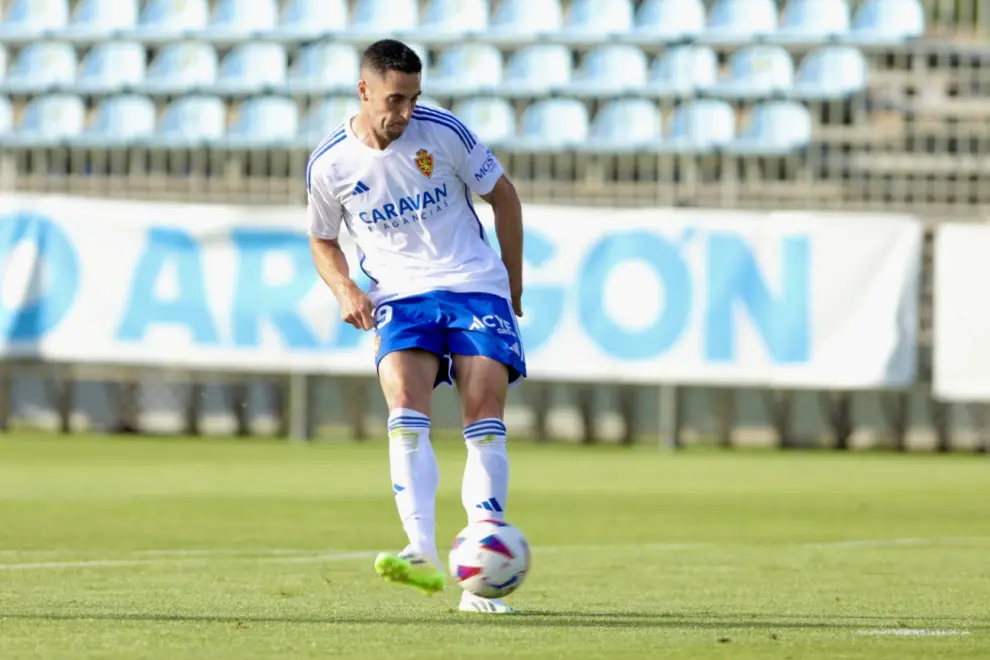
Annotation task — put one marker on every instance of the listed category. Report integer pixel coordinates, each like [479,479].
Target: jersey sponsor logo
[411,208]
[495,322]
[486,167]
[424,161]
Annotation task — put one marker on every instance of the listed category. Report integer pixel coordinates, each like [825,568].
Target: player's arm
[507,209]
[324,215]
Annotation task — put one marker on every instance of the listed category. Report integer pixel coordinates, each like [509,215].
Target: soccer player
[442,302]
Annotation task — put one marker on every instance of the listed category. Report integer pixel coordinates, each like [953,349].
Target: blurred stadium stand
[838,104]
[878,105]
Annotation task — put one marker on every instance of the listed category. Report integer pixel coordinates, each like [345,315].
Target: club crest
[424,161]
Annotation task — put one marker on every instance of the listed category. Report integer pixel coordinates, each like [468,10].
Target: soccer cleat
[412,569]
[472,603]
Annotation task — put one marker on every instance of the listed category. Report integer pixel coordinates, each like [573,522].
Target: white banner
[961,370]
[645,295]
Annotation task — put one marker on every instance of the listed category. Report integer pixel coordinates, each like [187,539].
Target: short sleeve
[323,211]
[474,162]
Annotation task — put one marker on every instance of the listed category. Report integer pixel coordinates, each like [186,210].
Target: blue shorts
[446,324]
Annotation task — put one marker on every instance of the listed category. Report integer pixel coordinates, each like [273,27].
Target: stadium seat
[41,66]
[669,20]
[111,66]
[596,20]
[375,19]
[95,20]
[451,20]
[552,124]
[181,67]
[167,20]
[4,63]
[465,70]
[813,21]
[739,21]
[28,20]
[120,120]
[191,120]
[323,68]
[700,126]
[610,70]
[757,71]
[6,116]
[236,20]
[537,70]
[518,22]
[624,125]
[683,71]
[252,67]
[264,121]
[883,22]
[831,72]
[493,120]
[310,19]
[50,119]
[774,128]
[325,116]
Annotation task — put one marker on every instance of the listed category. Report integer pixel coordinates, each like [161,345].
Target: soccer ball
[490,558]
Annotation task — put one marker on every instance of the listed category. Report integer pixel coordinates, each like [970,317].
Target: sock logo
[491,504]
[396,489]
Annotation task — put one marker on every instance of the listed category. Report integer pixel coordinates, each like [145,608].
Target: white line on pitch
[914,632]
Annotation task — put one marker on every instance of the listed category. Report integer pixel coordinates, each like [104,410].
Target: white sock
[415,477]
[486,475]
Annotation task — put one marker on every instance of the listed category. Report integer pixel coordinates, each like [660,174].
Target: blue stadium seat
[465,70]
[50,119]
[774,128]
[325,116]
[813,21]
[236,20]
[883,22]
[537,70]
[6,116]
[28,20]
[739,21]
[518,22]
[41,66]
[181,67]
[167,20]
[4,63]
[669,20]
[451,20]
[120,120]
[552,124]
[94,20]
[610,70]
[624,125]
[683,71]
[831,72]
[310,19]
[595,20]
[325,67]
[191,120]
[700,127]
[493,120]
[264,121]
[375,19]
[111,66]
[757,71]
[252,67]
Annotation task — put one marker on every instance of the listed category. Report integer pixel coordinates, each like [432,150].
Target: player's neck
[361,127]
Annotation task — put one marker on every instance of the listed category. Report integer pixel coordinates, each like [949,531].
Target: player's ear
[362,88]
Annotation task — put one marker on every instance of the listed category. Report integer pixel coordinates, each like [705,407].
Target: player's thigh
[482,386]
[407,377]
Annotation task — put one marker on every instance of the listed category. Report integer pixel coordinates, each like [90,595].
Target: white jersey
[409,206]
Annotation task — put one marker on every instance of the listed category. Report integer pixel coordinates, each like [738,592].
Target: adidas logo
[491,504]
[360,188]
[515,348]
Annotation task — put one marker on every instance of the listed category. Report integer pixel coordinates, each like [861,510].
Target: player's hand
[356,308]
[517,302]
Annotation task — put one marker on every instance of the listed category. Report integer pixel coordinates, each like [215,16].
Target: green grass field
[223,549]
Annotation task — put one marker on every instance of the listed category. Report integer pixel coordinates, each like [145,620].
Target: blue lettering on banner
[486,167]
[55,276]
[256,301]
[189,308]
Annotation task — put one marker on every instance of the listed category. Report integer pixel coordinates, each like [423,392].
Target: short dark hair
[391,55]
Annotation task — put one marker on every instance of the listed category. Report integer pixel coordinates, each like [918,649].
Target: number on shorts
[383,315]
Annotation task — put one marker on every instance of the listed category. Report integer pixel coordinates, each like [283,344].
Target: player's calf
[485,488]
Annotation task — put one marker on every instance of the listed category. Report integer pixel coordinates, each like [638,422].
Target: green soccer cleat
[411,569]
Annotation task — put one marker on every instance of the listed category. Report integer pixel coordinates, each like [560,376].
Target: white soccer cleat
[472,603]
